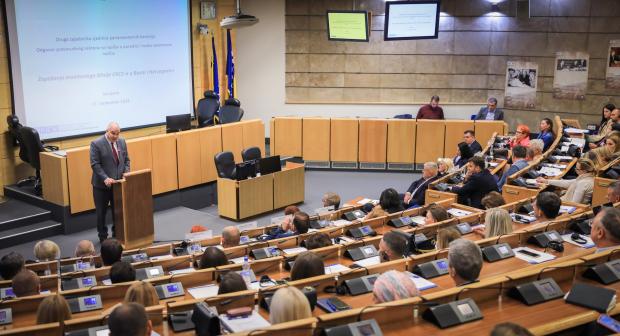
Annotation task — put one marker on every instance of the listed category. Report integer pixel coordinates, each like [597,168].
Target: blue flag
[230,66]
[214,68]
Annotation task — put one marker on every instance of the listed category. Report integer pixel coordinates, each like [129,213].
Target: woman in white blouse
[580,189]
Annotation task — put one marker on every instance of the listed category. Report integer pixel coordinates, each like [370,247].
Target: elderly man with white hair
[414,196]
[464,261]
[535,149]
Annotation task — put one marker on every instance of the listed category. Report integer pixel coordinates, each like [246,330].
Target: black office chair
[207,108]
[14,127]
[225,165]
[33,145]
[251,153]
[231,111]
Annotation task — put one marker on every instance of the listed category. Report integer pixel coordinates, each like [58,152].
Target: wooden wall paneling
[54,178]
[140,154]
[401,140]
[210,144]
[454,135]
[188,156]
[430,135]
[599,195]
[164,171]
[316,139]
[254,134]
[288,133]
[373,140]
[344,139]
[79,176]
[288,187]
[232,139]
[485,129]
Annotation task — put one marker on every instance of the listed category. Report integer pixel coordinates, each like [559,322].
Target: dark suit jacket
[421,185]
[102,161]
[477,186]
[475,147]
[482,114]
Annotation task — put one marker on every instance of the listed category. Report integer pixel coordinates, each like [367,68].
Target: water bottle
[245,273]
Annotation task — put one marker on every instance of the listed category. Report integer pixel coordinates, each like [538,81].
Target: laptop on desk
[269,165]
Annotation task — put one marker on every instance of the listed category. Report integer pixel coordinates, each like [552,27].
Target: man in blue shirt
[490,112]
[519,154]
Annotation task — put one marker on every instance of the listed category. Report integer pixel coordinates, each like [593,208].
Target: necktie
[114,153]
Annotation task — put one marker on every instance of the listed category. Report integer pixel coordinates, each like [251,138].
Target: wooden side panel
[227,198]
[316,139]
[344,139]
[430,136]
[188,155]
[54,178]
[164,172]
[232,139]
[373,140]
[254,135]
[272,137]
[288,133]
[210,144]
[484,129]
[513,193]
[288,187]
[140,153]
[401,140]
[255,196]
[454,135]
[79,175]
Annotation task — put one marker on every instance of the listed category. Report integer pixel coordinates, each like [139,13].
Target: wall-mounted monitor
[347,25]
[411,20]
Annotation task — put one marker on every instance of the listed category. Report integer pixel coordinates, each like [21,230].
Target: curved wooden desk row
[177,160]
[378,141]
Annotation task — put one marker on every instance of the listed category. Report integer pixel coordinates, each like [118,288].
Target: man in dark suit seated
[478,183]
[469,137]
[519,154]
[490,112]
[300,225]
[415,194]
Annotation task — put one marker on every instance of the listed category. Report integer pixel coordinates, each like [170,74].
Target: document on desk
[294,250]
[61,153]
[420,282]
[336,268]
[203,292]
[567,209]
[589,243]
[341,222]
[548,171]
[237,260]
[574,130]
[182,271]
[458,212]
[420,220]
[532,256]
[369,261]
[106,332]
[243,323]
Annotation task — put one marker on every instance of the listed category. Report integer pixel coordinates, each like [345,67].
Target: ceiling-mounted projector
[238,20]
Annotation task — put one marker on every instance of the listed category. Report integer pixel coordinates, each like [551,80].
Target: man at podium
[109,160]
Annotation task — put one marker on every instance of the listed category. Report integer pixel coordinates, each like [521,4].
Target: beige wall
[12,169]
[465,65]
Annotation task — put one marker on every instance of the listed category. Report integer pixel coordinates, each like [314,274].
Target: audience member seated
[613,193]
[389,202]
[607,121]
[307,265]
[331,199]
[445,237]
[414,196]
[129,319]
[10,265]
[610,150]
[469,137]
[522,137]
[142,292]
[519,162]
[580,189]
[546,207]
[46,250]
[546,133]
[497,222]
[478,184]
[490,112]
[231,282]
[230,236]
[464,261]
[85,248]
[436,213]
[392,246]
[26,283]
[431,111]
[317,240]
[122,271]
[288,304]
[111,251]
[535,150]
[445,166]
[300,225]
[213,257]
[493,200]
[393,285]
[463,155]
[53,308]
[606,229]
[510,329]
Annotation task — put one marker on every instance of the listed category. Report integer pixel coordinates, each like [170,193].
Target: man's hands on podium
[109,181]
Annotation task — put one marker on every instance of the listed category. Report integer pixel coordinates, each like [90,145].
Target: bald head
[230,236]
[129,319]
[85,248]
[113,131]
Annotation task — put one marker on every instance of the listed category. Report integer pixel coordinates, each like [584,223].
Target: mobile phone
[528,253]
[609,323]
[339,304]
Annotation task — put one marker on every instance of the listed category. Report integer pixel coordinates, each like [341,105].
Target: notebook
[242,323]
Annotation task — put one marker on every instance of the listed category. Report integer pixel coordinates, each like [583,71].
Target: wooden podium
[133,209]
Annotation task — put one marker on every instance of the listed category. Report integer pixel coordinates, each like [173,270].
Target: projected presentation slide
[347,26]
[77,65]
[406,20]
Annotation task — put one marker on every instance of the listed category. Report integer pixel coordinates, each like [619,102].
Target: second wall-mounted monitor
[347,25]
[411,20]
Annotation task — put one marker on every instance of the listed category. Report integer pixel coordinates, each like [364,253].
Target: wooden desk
[344,140]
[401,139]
[484,129]
[316,139]
[288,136]
[599,195]
[372,141]
[289,185]
[430,136]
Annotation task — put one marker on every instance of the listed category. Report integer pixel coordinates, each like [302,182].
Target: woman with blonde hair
[445,236]
[53,308]
[497,222]
[445,166]
[580,189]
[143,293]
[288,304]
[46,250]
